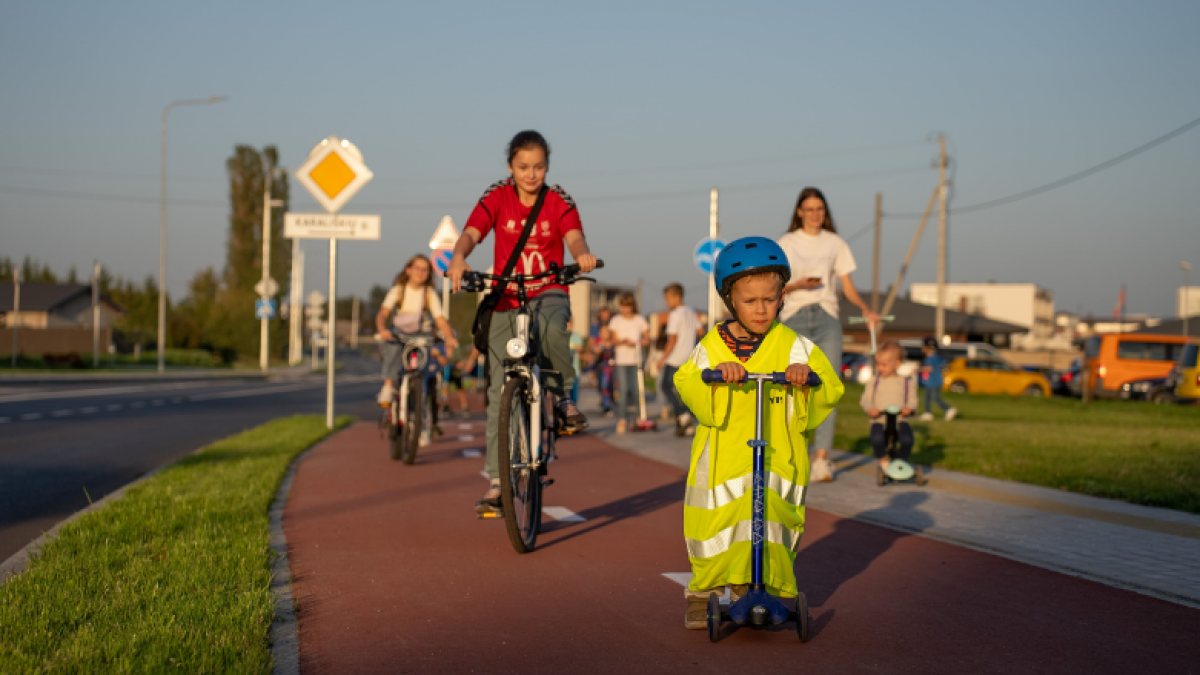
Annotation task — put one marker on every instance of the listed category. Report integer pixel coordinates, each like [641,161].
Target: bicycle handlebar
[474,281]
[714,376]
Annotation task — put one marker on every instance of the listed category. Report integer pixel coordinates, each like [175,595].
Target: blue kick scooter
[757,607]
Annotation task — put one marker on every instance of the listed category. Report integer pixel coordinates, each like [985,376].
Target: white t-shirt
[826,256]
[632,328]
[683,324]
[409,306]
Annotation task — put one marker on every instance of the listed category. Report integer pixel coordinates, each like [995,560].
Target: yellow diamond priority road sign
[333,173]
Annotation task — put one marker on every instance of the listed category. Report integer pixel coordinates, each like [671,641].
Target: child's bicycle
[898,471]
[757,607]
[412,416]
[528,424]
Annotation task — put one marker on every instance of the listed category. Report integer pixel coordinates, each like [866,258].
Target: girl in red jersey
[503,208]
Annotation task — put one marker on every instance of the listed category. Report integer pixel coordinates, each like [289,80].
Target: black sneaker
[573,420]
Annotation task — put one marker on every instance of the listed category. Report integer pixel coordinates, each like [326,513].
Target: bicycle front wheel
[411,432]
[520,485]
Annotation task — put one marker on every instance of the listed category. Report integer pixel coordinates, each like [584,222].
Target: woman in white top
[818,257]
[407,302]
[630,333]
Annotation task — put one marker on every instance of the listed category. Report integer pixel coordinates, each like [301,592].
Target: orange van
[1115,359]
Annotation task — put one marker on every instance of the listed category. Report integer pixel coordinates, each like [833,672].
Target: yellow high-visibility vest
[717,512]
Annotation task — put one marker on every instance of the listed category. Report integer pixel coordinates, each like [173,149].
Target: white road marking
[685,578]
[484,474]
[62,413]
[157,401]
[563,514]
[463,425]
[466,437]
[89,410]
[114,406]
[256,392]
[472,453]
[29,417]
[106,391]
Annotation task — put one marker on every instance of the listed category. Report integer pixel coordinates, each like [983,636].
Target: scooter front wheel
[802,617]
[714,617]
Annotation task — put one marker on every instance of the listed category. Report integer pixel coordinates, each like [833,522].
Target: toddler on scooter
[886,389]
[750,274]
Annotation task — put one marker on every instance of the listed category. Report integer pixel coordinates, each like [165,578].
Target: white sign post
[444,237]
[333,173]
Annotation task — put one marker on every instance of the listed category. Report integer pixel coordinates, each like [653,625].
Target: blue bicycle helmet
[748,255]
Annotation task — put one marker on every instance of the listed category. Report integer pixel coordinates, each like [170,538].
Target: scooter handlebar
[714,376]
[863,319]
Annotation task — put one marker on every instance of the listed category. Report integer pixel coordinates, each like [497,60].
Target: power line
[1053,185]
[124,199]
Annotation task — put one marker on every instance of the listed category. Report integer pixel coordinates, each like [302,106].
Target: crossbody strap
[530,223]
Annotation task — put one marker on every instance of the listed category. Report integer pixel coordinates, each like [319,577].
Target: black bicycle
[411,419]
[529,425]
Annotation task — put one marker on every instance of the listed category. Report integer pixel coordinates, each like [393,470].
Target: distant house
[54,306]
[53,319]
[916,320]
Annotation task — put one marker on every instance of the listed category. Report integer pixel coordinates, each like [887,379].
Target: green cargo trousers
[553,310]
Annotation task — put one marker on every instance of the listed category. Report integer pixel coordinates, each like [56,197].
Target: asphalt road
[63,443]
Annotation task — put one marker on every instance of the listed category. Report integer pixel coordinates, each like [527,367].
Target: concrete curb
[284,633]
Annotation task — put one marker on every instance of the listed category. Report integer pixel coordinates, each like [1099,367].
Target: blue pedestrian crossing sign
[264,308]
[441,260]
[706,253]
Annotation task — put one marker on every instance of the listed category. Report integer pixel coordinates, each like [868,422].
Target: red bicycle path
[393,573]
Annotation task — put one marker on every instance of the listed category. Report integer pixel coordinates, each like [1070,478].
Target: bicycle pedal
[488,515]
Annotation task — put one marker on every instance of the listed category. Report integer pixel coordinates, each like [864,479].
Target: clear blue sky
[637,98]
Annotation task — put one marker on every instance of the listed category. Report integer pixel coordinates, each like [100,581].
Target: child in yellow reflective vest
[750,275]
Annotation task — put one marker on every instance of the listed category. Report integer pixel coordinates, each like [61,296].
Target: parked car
[851,363]
[1114,360]
[1139,390]
[1065,382]
[914,355]
[1187,372]
[993,376]
[1164,391]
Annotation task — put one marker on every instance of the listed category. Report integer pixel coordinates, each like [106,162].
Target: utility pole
[296,316]
[16,313]
[714,229]
[264,339]
[912,249]
[941,253]
[878,239]
[96,314]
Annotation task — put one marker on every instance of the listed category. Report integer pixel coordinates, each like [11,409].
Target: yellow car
[1189,373]
[993,376]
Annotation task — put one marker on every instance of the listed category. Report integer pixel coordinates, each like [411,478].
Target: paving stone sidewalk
[1149,550]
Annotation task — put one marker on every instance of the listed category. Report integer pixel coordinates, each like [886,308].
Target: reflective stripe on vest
[733,489]
[776,534]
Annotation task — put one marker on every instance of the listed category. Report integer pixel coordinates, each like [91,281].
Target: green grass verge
[1133,451]
[175,575]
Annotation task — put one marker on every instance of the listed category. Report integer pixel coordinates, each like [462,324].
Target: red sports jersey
[500,209]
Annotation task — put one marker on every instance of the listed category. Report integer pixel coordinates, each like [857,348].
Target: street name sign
[325,226]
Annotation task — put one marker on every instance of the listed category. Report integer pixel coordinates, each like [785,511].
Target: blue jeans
[627,393]
[667,387]
[825,331]
[934,395]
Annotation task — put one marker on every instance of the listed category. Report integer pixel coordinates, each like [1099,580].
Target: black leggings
[904,438]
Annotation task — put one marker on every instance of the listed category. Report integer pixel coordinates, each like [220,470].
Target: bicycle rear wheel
[395,433]
[411,431]
[520,485]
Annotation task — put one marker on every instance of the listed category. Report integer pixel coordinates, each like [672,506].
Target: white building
[1189,297]
[1021,304]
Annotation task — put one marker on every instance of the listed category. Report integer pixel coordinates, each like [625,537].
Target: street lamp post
[264,323]
[162,233]
[1187,268]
